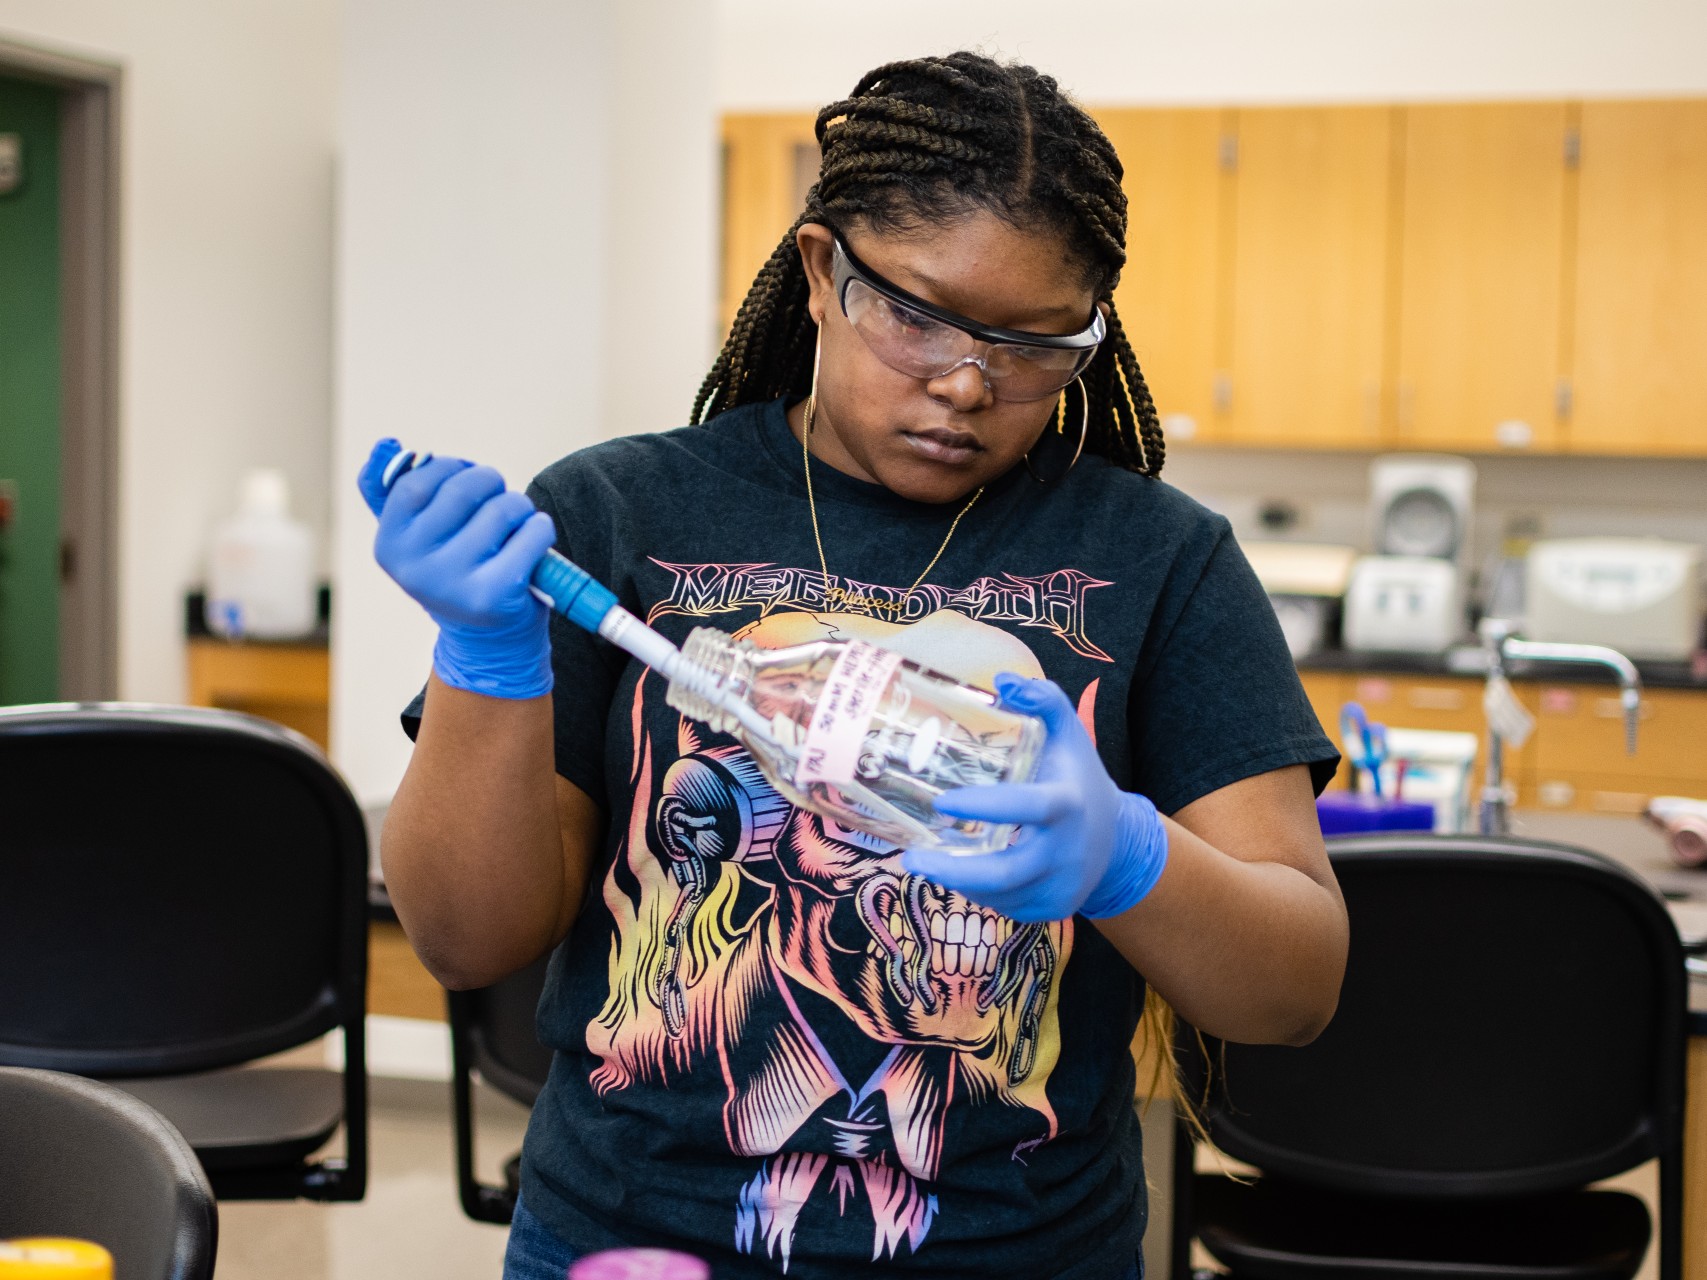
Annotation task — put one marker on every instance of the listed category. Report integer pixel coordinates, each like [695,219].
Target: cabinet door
[1449,703]
[1311,242]
[1641,308]
[770,161]
[1169,294]
[1480,283]
[1580,730]
[286,683]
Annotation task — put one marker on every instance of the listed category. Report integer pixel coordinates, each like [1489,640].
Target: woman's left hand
[1084,845]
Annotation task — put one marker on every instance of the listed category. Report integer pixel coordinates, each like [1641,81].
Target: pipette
[565,587]
[847,729]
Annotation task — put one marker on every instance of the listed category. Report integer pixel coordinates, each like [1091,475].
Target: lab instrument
[1642,594]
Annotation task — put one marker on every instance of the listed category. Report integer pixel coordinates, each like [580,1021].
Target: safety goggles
[921,340]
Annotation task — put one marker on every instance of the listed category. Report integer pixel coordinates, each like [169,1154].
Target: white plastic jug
[260,582]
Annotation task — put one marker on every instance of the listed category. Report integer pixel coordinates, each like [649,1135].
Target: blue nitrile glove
[464,546]
[1084,845]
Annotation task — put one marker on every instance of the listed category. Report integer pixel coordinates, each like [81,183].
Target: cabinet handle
[1178,426]
[1514,434]
[1407,406]
[1613,709]
[1617,801]
[1374,689]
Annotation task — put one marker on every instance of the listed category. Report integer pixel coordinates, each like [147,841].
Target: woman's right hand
[463,546]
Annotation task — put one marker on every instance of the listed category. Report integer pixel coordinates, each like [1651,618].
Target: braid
[754,364]
[931,138]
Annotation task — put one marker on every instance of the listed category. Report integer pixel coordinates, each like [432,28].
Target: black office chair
[82,1159]
[1511,1029]
[492,1032]
[183,891]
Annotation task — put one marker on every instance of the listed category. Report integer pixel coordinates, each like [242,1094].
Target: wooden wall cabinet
[1312,234]
[1178,184]
[1640,349]
[1482,226]
[770,161]
[1511,276]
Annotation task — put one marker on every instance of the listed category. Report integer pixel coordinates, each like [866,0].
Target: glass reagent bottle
[858,734]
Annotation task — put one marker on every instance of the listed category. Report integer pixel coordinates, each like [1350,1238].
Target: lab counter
[1468,660]
[1575,761]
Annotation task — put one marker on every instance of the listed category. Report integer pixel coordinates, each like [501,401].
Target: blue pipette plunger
[567,588]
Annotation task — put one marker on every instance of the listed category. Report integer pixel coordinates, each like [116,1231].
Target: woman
[780,1044]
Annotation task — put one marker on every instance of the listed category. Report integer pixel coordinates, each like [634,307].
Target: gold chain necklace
[838,595]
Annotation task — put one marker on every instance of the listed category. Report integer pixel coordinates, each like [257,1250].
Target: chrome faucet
[1501,644]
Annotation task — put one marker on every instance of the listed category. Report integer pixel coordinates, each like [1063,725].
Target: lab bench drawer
[286,683]
[1614,793]
[1580,730]
[1450,704]
[1411,703]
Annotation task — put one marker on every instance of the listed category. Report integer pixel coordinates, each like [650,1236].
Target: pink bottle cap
[639,1264]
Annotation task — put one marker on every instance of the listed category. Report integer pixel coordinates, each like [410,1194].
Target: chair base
[1269,1230]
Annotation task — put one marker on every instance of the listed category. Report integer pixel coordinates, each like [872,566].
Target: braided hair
[936,138]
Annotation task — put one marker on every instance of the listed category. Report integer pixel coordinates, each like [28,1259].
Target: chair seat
[249,1117]
[1270,1230]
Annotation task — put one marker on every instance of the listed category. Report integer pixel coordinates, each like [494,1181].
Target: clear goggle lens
[922,347]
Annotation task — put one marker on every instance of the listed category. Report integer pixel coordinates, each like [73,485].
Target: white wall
[525,247]
[226,232]
[790,54]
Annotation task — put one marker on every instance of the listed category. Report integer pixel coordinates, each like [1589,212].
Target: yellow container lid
[51,1258]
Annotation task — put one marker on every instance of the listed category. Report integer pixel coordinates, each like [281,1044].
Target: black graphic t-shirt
[740,1071]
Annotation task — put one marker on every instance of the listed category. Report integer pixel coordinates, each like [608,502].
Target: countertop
[1468,660]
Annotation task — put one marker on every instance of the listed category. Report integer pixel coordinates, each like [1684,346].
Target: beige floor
[409,1227]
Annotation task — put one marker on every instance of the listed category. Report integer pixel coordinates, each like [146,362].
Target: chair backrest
[83,1159]
[492,1032]
[180,890]
[499,1023]
[1512,1022]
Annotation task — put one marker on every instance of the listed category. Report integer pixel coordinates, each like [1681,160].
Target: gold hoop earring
[1061,416]
[812,395]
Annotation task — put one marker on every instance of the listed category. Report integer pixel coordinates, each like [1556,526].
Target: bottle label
[844,713]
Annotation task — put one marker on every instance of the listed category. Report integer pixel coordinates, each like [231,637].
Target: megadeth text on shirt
[1053,601]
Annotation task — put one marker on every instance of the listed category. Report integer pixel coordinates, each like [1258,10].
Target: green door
[29,392]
